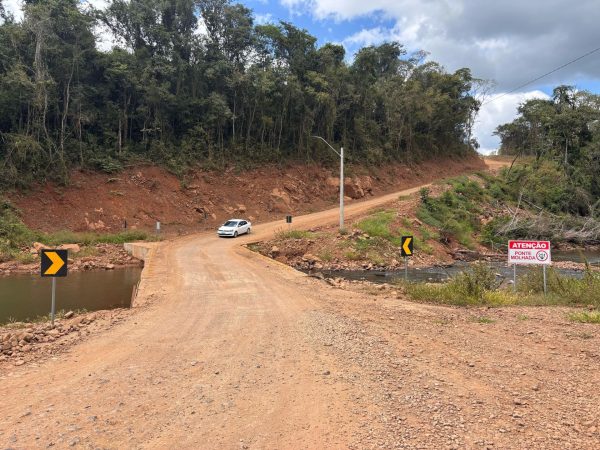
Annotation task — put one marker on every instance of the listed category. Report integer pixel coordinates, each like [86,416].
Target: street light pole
[341,188]
[341,155]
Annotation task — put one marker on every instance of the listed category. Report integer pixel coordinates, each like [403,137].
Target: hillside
[143,195]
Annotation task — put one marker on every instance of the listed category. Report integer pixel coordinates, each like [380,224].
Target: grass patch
[294,234]
[482,319]
[562,290]
[585,317]
[378,225]
[478,287]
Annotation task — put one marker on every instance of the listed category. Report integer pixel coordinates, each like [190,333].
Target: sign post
[54,264]
[529,253]
[406,250]
[157,227]
[288,220]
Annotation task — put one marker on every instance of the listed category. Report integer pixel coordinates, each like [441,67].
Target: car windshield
[230,223]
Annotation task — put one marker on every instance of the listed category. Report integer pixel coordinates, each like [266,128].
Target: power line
[542,76]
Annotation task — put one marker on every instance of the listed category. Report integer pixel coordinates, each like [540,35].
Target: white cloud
[509,41]
[261,19]
[14,7]
[498,112]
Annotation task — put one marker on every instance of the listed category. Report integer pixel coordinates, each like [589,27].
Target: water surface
[25,296]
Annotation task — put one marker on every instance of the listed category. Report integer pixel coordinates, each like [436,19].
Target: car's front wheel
[235,234]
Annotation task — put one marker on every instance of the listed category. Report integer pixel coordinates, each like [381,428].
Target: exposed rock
[332,182]
[69,315]
[280,201]
[311,258]
[353,189]
[274,251]
[94,225]
[38,247]
[109,267]
[241,209]
[70,247]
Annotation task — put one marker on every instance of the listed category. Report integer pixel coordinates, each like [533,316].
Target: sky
[506,41]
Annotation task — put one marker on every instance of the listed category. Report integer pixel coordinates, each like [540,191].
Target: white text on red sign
[529,252]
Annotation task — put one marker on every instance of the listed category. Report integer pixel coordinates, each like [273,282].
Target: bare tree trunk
[63,123]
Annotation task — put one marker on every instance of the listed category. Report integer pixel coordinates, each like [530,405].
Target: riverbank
[81,258]
[28,342]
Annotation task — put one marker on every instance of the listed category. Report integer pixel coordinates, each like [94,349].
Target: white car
[234,227]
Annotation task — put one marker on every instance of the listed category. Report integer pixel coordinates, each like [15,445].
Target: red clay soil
[146,194]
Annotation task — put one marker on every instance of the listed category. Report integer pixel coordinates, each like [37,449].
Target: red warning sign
[529,252]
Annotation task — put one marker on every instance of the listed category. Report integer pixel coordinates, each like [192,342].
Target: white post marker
[530,253]
[157,227]
[53,307]
[341,188]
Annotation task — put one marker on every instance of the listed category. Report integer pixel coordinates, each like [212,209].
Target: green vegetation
[585,317]
[455,214]
[565,289]
[378,225]
[294,234]
[383,238]
[15,236]
[240,92]
[479,287]
[560,138]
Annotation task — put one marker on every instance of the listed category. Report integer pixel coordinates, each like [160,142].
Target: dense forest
[562,136]
[196,81]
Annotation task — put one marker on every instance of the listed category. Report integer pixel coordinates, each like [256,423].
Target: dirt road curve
[230,350]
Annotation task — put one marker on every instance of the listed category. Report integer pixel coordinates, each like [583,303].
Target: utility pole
[341,155]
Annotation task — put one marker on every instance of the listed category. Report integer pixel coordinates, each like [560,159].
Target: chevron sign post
[54,264]
[406,250]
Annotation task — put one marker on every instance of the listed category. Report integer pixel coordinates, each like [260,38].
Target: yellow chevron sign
[54,263]
[406,246]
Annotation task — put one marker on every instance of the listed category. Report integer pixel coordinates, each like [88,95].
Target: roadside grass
[294,234]
[585,317]
[378,225]
[478,286]
[561,289]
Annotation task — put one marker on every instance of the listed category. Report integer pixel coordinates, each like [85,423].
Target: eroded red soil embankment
[146,194]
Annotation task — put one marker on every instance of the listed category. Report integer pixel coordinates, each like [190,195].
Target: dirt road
[231,350]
